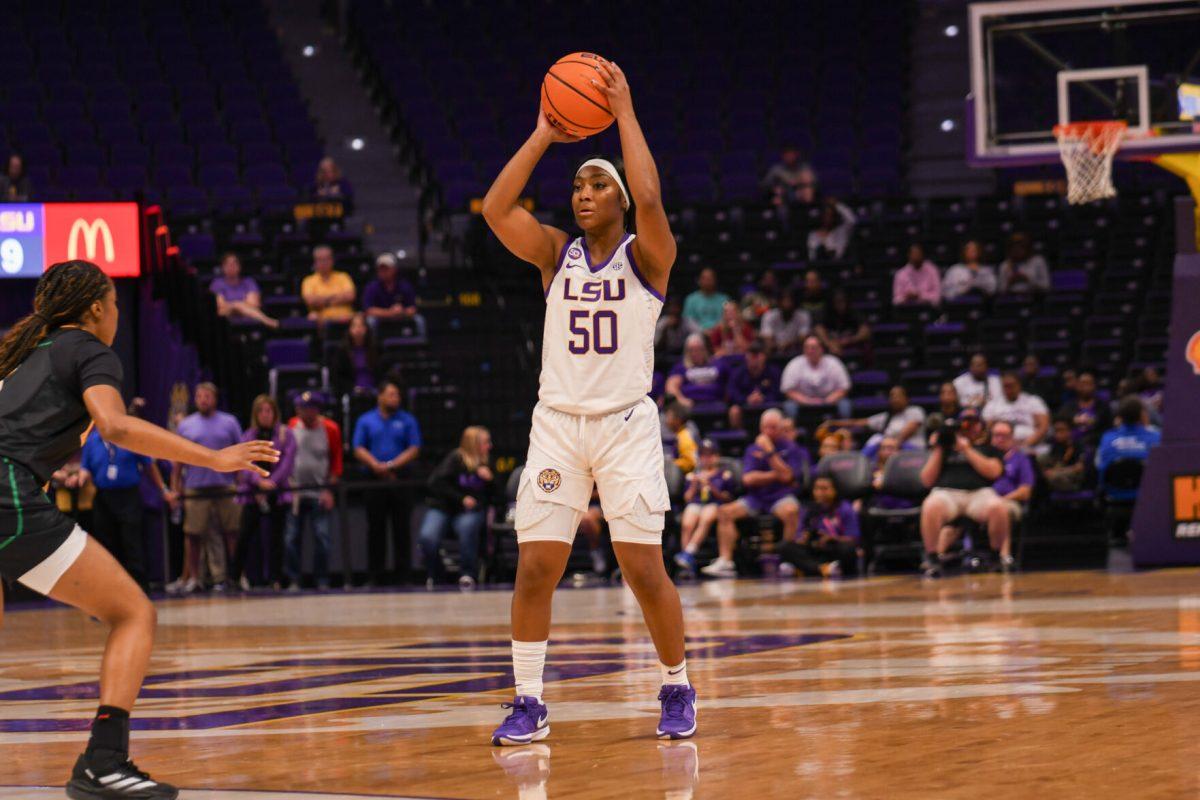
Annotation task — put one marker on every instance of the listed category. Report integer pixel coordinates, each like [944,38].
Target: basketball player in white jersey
[593,421]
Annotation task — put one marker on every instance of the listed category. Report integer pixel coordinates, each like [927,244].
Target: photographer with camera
[960,471]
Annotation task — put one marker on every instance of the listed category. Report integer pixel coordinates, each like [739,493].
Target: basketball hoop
[1087,150]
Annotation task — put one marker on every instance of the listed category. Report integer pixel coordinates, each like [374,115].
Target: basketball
[570,101]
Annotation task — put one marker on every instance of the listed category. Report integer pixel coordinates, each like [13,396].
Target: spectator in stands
[813,298]
[387,440]
[708,486]
[705,305]
[784,327]
[903,421]
[1023,270]
[330,184]
[390,298]
[976,387]
[969,277]
[460,491]
[948,405]
[772,469]
[318,467]
[888,447]
[261,497]
[1090,416]
[960,474]
[1015,490]
[829,240]
[238,297]
[15,186]
[815,378]
[761,298]
[357,366]
[827,545]
[117,508]
[733,334]
[1132,438]
[752,385]
[211,515]
[918,282]
[841,330]
[833,442]
[1026,412]
[683,448]
[790,180]
[1150,390]
[1066,385]
[328,293]
[1063,463]
[672,330]
[1035,382]
[696,378]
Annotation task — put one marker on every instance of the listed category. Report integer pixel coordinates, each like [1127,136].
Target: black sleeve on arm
[87,362]
[443,481]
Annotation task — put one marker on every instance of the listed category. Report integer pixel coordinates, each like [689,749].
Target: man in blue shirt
[117,509]
[1131,439]
[386,441]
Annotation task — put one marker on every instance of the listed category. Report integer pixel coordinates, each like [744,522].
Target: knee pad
[639,526]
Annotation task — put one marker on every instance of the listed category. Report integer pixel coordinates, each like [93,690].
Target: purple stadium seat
[284,352]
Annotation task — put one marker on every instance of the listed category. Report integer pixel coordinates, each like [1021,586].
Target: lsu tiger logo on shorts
[549,480]
[1192,352]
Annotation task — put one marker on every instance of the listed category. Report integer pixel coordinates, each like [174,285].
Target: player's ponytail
[63,294]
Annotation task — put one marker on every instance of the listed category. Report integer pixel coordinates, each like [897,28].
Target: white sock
[692,549]
[529,659]
[676,675]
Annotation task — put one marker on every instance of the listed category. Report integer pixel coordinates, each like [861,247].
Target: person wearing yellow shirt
[685,444]
[328,293]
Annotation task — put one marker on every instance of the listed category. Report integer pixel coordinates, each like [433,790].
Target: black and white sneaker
[124,781]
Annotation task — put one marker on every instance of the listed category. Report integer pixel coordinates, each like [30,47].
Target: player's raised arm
[655,245]
[519,230]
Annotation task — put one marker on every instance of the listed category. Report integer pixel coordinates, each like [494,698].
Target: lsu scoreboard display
[35,235]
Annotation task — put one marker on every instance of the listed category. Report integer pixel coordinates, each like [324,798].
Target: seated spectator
[1066,385]
[752,385]
[833,442]
[1150,389]
[784,327]
[827,545]
[460,491]
[815,378]
[772,468]
[328,293]
[1026,412]
[672,330]
[759,300]
[707,488]
[15,186]
[813,298]
[829,240]
[1063,463]
[1090,417]
[1036,383]
[1015,489]
[704,306]
[357,365]
[903,422]
[790,180]
[1023,270]
[390,298]
[841,330]
[684,445]
[977,386]
[317,469]
[329,184]
[1132,438]
[948,405]
[696,379]
[969,277]
[238,297]
[732,335]
[260,497]
[918,282]
[960,474]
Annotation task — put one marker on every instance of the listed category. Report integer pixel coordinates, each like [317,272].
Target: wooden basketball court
[1056,685]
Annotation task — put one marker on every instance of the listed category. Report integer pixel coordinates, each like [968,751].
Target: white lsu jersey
[598,341]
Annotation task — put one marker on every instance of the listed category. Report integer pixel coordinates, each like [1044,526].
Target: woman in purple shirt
[238,297]
[696,379]
[828,541]
[260,497]
[708,486]
[358,365]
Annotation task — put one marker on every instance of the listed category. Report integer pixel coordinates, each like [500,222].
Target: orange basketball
[570,101]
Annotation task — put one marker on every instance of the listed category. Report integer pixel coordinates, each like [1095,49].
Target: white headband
[607,166]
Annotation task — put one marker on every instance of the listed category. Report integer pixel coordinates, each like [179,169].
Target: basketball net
[1087,150]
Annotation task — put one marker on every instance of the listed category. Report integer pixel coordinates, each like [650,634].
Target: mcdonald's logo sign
[103,233]
[1185,496]
[1192,352]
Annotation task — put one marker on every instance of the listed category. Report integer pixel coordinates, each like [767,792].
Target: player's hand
[549,130]
[614,86]
[242,456]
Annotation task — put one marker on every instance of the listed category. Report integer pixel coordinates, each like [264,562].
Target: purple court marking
[567,664]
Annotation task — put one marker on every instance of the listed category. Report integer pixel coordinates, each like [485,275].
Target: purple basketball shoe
[528,722]
[678,720]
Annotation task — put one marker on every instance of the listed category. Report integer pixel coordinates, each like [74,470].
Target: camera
[947,435]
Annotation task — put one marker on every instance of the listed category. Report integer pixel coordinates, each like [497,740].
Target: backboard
[1038,63]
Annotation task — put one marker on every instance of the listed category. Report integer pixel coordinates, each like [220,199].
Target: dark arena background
[914,228]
